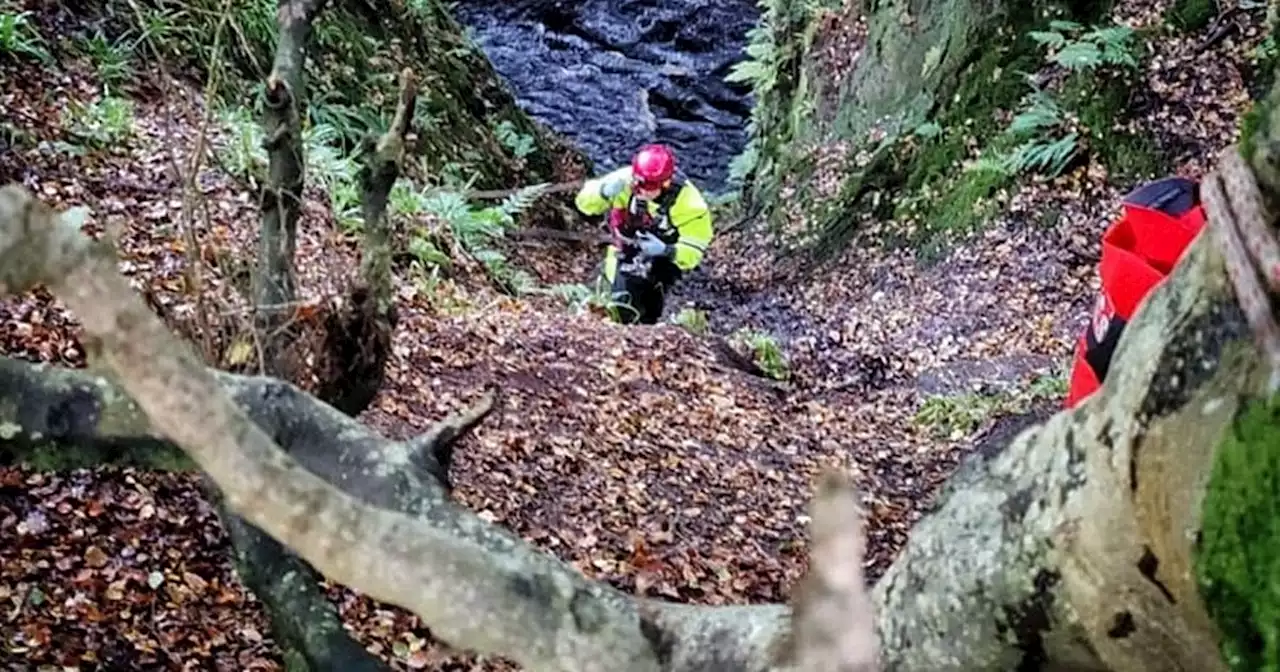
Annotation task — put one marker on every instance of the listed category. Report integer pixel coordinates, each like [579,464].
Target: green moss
[1264,61]
[1101,101]
[1189,16]
[1238,557]
[1250,124]
[937,192]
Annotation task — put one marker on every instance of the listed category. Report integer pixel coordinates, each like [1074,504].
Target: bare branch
[377,176]
[1242,231]
[281,196]
[433,451]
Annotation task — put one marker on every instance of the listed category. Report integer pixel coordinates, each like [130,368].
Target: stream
[613,74]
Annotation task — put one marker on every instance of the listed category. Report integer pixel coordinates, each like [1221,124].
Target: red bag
[1157,223]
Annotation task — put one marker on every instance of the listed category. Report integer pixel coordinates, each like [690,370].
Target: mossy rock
[1190,16]
[1238,556]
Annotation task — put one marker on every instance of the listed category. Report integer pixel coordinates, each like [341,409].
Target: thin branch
[1242,231]
[377,176]
[542,233]
[281,199]
[833,618]
[433,451]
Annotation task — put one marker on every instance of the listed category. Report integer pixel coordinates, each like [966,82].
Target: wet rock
[614,75]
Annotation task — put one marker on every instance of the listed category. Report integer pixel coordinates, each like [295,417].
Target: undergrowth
[1051,129]
[955,416]
[351,74]
[766,351]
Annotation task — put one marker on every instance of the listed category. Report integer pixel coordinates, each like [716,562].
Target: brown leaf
[95,557]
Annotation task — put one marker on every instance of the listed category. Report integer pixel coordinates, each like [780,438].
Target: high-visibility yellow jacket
[688,213]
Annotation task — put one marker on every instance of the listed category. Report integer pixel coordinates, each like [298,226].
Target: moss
[1190,16]
[1238,557]
[1251,123]
[1264,61]
[937,192]
[1100,101]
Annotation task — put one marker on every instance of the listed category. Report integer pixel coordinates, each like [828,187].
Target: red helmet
[653,166]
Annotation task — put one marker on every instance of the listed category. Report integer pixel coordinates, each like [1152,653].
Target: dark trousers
[643,299]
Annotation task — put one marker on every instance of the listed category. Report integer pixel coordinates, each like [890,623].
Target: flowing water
[612,75]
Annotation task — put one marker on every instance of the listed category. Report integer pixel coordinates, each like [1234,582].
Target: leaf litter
[633,453]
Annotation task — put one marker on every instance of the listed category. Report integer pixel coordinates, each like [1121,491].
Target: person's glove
[612,188]
[651,246]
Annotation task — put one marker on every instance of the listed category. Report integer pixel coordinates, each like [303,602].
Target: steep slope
[641,454]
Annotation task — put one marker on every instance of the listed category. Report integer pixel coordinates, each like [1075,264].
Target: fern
[447,205]
[1078,56]
[1049,38]
[1040,113]
[524,198]
[1064,26]
[519,144]
[1110,45]
[1051,157]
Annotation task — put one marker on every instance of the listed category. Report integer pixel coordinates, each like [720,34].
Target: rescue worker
[1158,221]
[655,214]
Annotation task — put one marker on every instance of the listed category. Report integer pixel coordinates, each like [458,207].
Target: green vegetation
[1238,557]
[955,416]
[19,38]
[351,75]
[1189,16]
[766,351]
[62,457]
[1265,58]
[694,321]
[470,134]
[100,125]
[1050,131]
[474,231]
[940,167]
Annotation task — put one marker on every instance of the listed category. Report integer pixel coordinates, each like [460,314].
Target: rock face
[613,74]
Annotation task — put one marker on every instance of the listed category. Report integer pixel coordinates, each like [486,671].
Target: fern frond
[1078,56]
[449,206]
[523,199]
[1051,39]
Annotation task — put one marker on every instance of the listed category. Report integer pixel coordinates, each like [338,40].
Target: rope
[1242,228]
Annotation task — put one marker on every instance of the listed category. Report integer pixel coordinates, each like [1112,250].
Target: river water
[612,75]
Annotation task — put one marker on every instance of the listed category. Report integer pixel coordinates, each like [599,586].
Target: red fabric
[617,220]
[1138,251]
[1083,381]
